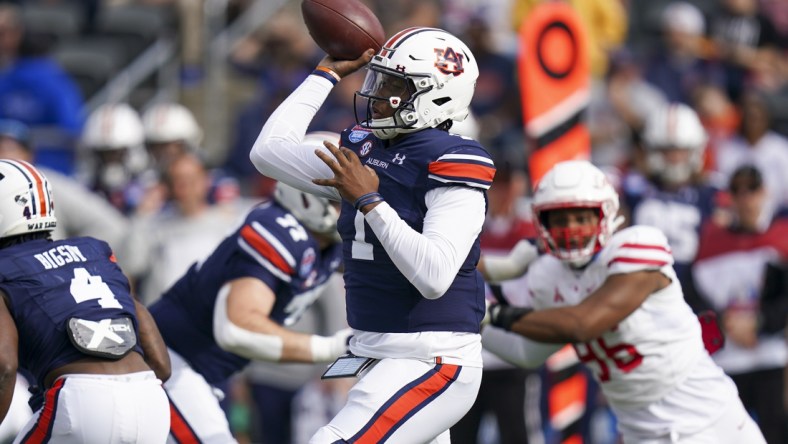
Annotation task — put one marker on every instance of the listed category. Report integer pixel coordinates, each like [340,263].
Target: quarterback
[413,204]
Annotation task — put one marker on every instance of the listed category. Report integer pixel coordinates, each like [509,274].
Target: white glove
[511,266]
[328,348]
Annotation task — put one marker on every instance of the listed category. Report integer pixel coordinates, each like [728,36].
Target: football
[344,29]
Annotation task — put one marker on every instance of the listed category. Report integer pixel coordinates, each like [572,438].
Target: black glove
[504,316]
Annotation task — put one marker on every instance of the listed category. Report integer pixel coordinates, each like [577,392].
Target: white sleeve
[517,349]
[278,153]
[430,260]
[242,342]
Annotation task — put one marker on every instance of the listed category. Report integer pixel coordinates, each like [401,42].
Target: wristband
[367,199]
[327,74]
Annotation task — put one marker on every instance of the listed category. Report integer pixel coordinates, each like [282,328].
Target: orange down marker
[553,66]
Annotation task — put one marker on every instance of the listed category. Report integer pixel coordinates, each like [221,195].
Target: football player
[236,305]
[413,204]
[113,155]
[672,194]
[68,318]
[614,296]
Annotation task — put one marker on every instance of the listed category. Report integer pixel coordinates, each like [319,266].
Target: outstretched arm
[241,325]
[617,298]
[512,266]
[516,349]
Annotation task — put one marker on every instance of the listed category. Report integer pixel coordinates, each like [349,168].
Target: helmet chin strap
[401,117]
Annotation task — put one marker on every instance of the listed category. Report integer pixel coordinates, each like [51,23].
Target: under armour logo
[398,160]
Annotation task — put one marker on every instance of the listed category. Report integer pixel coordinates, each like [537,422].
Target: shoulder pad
[467,164]
[637,248]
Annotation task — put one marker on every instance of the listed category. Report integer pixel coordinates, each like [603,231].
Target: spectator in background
[281,55]
[681,63]
[746,40]
[36,91]
[496,101]
[174,228]
[407,13]
[669,191]
[729,273]
[718,115]
[80,212]
[112,155]
[757,144]
[618,109]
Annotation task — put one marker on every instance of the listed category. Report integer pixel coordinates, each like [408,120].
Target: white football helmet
[576,184]
[113,126]
[110,129]
[25,200]
[318,214]
[426,75]
[675,126]
[171,122]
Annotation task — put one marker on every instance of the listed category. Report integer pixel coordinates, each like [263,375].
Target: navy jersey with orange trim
[679,214]
[49,282]
[379,297]
[272,246]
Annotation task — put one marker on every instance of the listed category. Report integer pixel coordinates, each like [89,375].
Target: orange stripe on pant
[180,429]
[402,405]
[40,433]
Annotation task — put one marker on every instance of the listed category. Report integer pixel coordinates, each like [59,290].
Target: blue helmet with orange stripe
[25,200]
[421,78]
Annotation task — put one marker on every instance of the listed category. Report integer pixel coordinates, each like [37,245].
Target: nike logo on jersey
[62,255]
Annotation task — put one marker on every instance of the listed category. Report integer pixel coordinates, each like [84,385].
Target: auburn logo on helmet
[449,61]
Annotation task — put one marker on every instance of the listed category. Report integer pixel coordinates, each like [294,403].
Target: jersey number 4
[85,287]
[624,356]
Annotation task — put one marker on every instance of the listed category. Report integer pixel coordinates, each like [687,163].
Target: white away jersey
[654,350]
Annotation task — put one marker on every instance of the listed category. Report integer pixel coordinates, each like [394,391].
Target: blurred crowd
[688,116]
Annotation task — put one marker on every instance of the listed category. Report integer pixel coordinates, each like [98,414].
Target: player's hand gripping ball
[344,29]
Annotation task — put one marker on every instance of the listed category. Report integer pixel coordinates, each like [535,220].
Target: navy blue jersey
[679,214]
[379,297]
[272,246]
[49,282]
